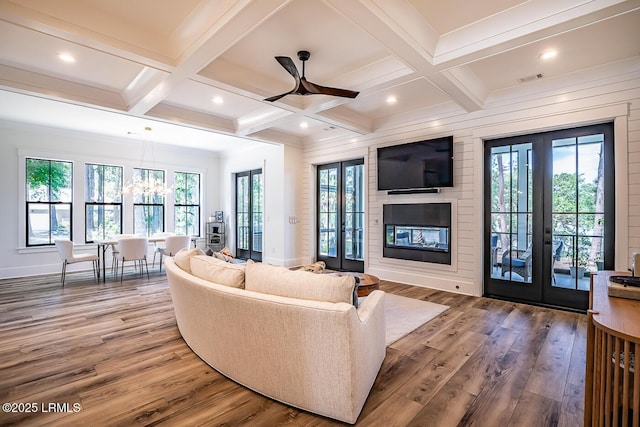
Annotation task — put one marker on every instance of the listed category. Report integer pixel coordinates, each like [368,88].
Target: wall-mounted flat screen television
[416,165]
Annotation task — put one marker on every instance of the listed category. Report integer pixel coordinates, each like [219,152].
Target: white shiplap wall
[611,99]
[634,174]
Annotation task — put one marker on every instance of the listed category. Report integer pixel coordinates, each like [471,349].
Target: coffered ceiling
[207,65]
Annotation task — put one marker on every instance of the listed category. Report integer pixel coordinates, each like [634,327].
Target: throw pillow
[222,257]
[316,267]
[225,251]
[218,271]
[183,257]
[270,279]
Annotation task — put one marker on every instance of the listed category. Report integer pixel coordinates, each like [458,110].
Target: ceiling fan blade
[305,87]
[275,98]
[315,89]
[287,64]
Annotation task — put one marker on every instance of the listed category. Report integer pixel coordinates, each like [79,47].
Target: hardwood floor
[114,351]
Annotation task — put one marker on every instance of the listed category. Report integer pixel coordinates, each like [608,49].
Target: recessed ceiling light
[66,57]
[548,54]
[218,100]
[391,99]
[304,125]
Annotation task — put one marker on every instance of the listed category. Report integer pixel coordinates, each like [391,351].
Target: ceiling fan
[305,87]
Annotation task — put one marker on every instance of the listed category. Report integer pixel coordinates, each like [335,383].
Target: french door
[340,222]
[549,217]
[249,208]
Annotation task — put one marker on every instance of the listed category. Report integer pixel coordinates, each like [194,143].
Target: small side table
[368,282]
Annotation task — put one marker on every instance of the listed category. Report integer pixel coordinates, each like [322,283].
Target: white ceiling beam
[260,120]
[347,120]
[400,34]
[46,24]
[60,88]
[175,114]
[531,21]
[236,23]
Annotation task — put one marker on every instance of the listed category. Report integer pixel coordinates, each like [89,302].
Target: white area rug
[404,315]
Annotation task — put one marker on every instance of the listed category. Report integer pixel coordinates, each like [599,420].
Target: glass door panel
[242,213]
[354,212]
[511,213]
[577,210]
[256,212]
[341,205]
[328,212]
[249,213]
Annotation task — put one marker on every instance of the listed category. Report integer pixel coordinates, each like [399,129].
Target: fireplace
[418,232]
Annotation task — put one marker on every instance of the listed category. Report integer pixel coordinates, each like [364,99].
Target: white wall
[280,166]
[18,140]
[508,113]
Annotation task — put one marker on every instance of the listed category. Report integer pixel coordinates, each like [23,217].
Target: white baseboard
[450,284]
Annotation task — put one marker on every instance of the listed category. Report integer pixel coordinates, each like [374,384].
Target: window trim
[150,205]
[49,203]
[179,205]
[87,203]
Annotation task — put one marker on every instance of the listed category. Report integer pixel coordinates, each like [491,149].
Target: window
[103,201]
[148,201]
[187,203]
[48,197]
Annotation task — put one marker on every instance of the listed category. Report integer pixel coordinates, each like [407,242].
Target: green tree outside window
[49,189]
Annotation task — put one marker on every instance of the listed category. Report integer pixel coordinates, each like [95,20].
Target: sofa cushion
[218,271]
[183,256]
[270,279]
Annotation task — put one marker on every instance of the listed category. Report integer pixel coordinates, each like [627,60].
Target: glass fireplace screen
[417,237]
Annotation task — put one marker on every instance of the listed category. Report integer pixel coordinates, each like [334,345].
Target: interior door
[548,215]
[341,208]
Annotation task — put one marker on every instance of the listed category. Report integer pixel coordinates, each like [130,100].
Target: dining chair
[65,250]
[159,244]
[115,251]
[172,245]
[133,249]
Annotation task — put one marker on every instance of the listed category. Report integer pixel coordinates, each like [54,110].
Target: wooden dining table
[105,244]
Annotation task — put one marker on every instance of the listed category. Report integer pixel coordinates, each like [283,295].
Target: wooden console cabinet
[612,381]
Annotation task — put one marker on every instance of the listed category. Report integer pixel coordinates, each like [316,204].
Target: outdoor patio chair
[556,252]
[518,262]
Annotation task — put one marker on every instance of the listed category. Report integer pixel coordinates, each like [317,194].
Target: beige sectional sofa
[293,336]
